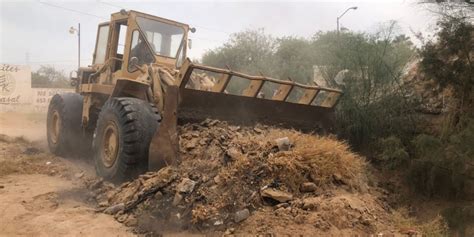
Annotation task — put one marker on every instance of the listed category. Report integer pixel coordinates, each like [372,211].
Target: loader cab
[132,39]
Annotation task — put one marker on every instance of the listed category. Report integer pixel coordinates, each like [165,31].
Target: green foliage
[459,218]
[49,77]
[373,105]
[449,59]
[442,168]
[250,51]
[428,146]
[444,164]
[393,153]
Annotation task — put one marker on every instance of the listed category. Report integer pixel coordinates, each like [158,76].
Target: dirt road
[44,195]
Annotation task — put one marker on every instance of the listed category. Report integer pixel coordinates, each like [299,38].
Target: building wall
[16,93]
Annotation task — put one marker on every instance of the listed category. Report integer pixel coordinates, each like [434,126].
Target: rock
[177,199]
[104,203]
[186,186]
[299,219]
[365,220]
[276,195]
[233,153]
[79,175]
[258,130]
[308,187]
[229,231]
[283,143]
[158,195]
[114,209]
[1,186]
[241,215]
[131,221]
[191,144]
[213,122]
[282,205]
[122,218]
[311,203]
[217,179]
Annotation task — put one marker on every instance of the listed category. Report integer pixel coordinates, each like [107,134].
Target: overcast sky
[38,31]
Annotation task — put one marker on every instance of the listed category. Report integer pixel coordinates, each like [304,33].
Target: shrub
[393,153]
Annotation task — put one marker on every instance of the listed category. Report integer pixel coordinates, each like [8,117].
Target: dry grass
[435,227]
[311,158]
[321,158]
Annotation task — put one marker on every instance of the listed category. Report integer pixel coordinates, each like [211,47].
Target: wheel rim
[55,127]
[110,145]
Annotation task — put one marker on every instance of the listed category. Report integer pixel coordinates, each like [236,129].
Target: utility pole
[339,17]
[73,30]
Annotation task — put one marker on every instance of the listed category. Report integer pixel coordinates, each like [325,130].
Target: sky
[37,32]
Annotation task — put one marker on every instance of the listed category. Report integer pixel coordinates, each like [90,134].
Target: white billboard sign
[15,84]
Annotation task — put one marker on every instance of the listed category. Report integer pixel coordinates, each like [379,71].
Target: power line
[204,27]
[72,10]
[110,4]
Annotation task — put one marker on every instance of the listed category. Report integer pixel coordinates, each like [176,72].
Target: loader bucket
[242,99]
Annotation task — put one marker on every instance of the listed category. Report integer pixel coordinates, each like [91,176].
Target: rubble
[186,186]
[277,195]
[241,215]
[229,174]
[308,187]
[114,209]
[283,143]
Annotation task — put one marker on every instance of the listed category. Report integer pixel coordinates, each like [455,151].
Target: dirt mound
[251,180]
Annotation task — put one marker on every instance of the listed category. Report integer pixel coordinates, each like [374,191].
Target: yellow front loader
[141,85]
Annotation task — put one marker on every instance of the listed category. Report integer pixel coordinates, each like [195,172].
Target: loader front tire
[122,137]
[64,132]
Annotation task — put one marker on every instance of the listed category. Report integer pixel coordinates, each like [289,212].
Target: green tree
[49,77]
[373,105]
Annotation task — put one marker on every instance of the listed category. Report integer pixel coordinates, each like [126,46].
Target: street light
[339,17]
[73,30]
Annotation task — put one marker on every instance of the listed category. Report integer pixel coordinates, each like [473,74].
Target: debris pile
[251,179]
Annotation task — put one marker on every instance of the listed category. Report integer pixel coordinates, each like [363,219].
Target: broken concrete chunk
[308,187]
[233,153]
[283,143]
[277,195]
[112,210]
[177,199]
[186,186]
[241,215]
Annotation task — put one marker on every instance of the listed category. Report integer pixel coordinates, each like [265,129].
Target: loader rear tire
[122,138]
[64,132]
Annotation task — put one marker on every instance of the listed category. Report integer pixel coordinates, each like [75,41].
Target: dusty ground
[43,195]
